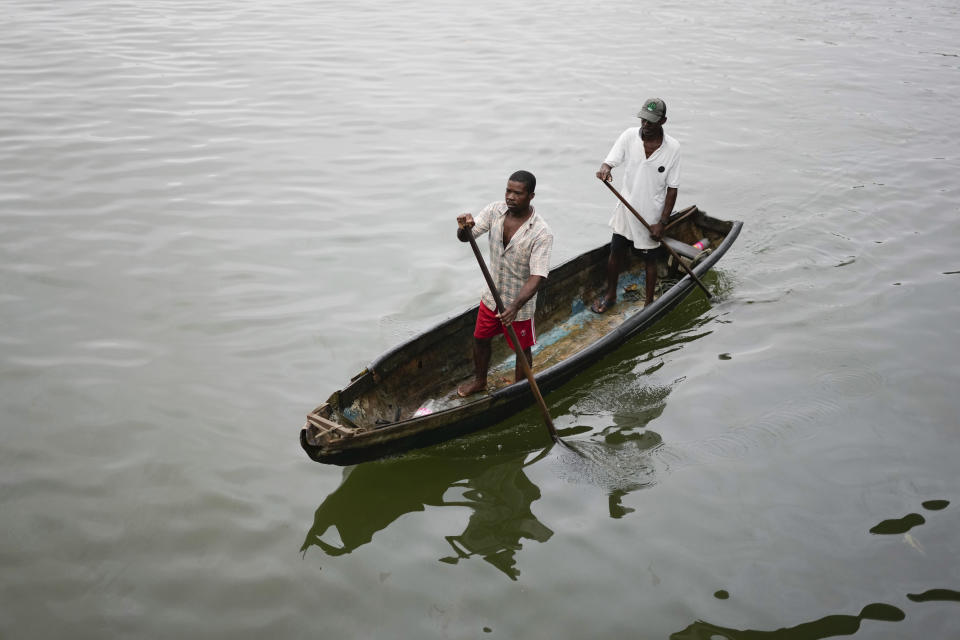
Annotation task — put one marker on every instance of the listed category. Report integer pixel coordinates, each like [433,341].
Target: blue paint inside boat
[580,313]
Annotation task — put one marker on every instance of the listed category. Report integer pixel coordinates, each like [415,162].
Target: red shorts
[489,325]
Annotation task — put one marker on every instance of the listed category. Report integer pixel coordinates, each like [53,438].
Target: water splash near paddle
[616,467]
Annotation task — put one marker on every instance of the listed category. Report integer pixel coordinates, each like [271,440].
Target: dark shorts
[489,325]
[621,245]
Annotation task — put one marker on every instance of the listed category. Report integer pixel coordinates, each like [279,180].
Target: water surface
[214,214]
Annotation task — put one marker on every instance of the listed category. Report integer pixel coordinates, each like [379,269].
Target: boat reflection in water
[373,495]
[481,477]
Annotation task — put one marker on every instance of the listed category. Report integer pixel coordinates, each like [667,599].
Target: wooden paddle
[521,357]
[681,216]
[644,223]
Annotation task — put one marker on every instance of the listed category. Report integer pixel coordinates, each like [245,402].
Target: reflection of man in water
[502,497]
[373,496]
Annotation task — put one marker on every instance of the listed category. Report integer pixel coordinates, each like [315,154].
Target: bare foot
[601,305]
[472,387]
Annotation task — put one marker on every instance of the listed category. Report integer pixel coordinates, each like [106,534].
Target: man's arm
[656,230]
[614,157]
[526,292]
[478,226]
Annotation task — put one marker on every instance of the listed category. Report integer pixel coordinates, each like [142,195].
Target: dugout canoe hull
[406,398]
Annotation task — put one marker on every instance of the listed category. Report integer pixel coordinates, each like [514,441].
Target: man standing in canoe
[651,177]
[520,247]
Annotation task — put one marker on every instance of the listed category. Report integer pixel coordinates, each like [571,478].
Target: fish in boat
[407,398]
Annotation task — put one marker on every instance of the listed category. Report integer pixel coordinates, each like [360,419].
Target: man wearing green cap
[651,176]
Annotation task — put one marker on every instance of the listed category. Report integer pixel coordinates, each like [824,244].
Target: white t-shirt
[644,183]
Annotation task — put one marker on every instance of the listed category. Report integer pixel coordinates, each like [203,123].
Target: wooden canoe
[407,397]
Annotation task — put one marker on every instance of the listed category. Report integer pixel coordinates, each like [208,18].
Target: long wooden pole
[681,216]
[644,223]
[521,357]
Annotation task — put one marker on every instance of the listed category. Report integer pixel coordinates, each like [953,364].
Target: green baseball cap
[654,110]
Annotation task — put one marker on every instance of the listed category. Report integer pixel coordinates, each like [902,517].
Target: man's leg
[615,263]
[651,276]
[481,363]
[518,374]
[614,267]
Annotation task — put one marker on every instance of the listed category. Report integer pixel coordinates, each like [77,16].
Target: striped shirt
[527,254]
